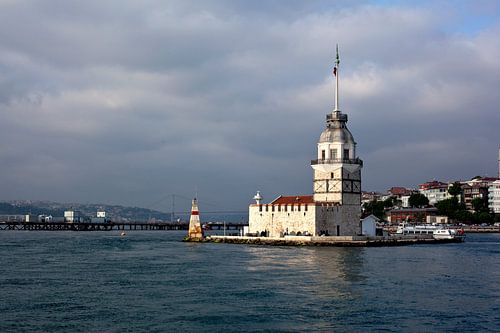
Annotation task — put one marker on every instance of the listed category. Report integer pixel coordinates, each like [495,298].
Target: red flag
[334,71]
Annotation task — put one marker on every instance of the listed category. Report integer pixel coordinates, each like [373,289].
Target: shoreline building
[73,216]
[435,191]
[494,192]
[494,197]
[334,208]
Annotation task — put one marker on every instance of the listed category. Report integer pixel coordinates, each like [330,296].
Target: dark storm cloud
[124,102]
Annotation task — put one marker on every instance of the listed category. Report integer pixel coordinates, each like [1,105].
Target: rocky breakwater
[339,241]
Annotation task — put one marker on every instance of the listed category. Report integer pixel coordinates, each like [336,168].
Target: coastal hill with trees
[113,212]
[453,207]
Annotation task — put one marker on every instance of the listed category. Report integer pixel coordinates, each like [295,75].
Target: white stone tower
[337,169]
[195,230]
[334,209]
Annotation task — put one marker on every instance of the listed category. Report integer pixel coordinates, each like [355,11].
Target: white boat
[424,229]
[449,234]
[437,231]
[443,234]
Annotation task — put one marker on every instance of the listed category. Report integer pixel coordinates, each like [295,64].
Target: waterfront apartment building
[494,197]
[435,191]
[471,192]
[403,194]
[477,187]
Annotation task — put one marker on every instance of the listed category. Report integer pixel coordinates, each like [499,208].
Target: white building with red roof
[334,208]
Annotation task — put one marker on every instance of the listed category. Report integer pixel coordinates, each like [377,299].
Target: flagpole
[337,80]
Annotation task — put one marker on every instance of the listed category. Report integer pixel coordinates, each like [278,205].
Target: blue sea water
[152,282]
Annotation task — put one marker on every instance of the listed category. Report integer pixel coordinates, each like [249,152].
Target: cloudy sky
[126,102]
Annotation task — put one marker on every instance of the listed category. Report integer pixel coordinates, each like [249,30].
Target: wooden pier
[482,230]
[87,226]
[222,226]
[108,226]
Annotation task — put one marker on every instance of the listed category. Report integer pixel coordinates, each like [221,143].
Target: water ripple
[151,282]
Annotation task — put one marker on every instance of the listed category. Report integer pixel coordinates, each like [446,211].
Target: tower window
[331,175]
[323,154]
[346,154]
[333,154]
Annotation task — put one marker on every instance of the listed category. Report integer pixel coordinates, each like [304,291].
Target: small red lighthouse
[195,230]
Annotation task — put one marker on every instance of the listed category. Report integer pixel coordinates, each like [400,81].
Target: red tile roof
[432,185]
[293,199]
[396,190]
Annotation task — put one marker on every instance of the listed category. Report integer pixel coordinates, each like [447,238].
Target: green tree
[376,208]
[418,200]
[455,189]
[448,207]
[464,216]
[389,202]
[483,217]
[479,205]
[451,207]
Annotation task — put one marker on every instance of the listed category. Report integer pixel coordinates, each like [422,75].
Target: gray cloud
[124,102]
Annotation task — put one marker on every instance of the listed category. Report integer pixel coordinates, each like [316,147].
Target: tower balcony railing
[336,116]
[338,160]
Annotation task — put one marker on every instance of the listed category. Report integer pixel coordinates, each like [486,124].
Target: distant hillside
[7,208]
[114,212]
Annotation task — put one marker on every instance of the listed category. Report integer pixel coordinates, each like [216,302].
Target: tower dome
[338,135]
[336,130]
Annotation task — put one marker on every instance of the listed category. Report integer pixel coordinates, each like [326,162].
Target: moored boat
[437,231]
[424,229]
[445,233]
